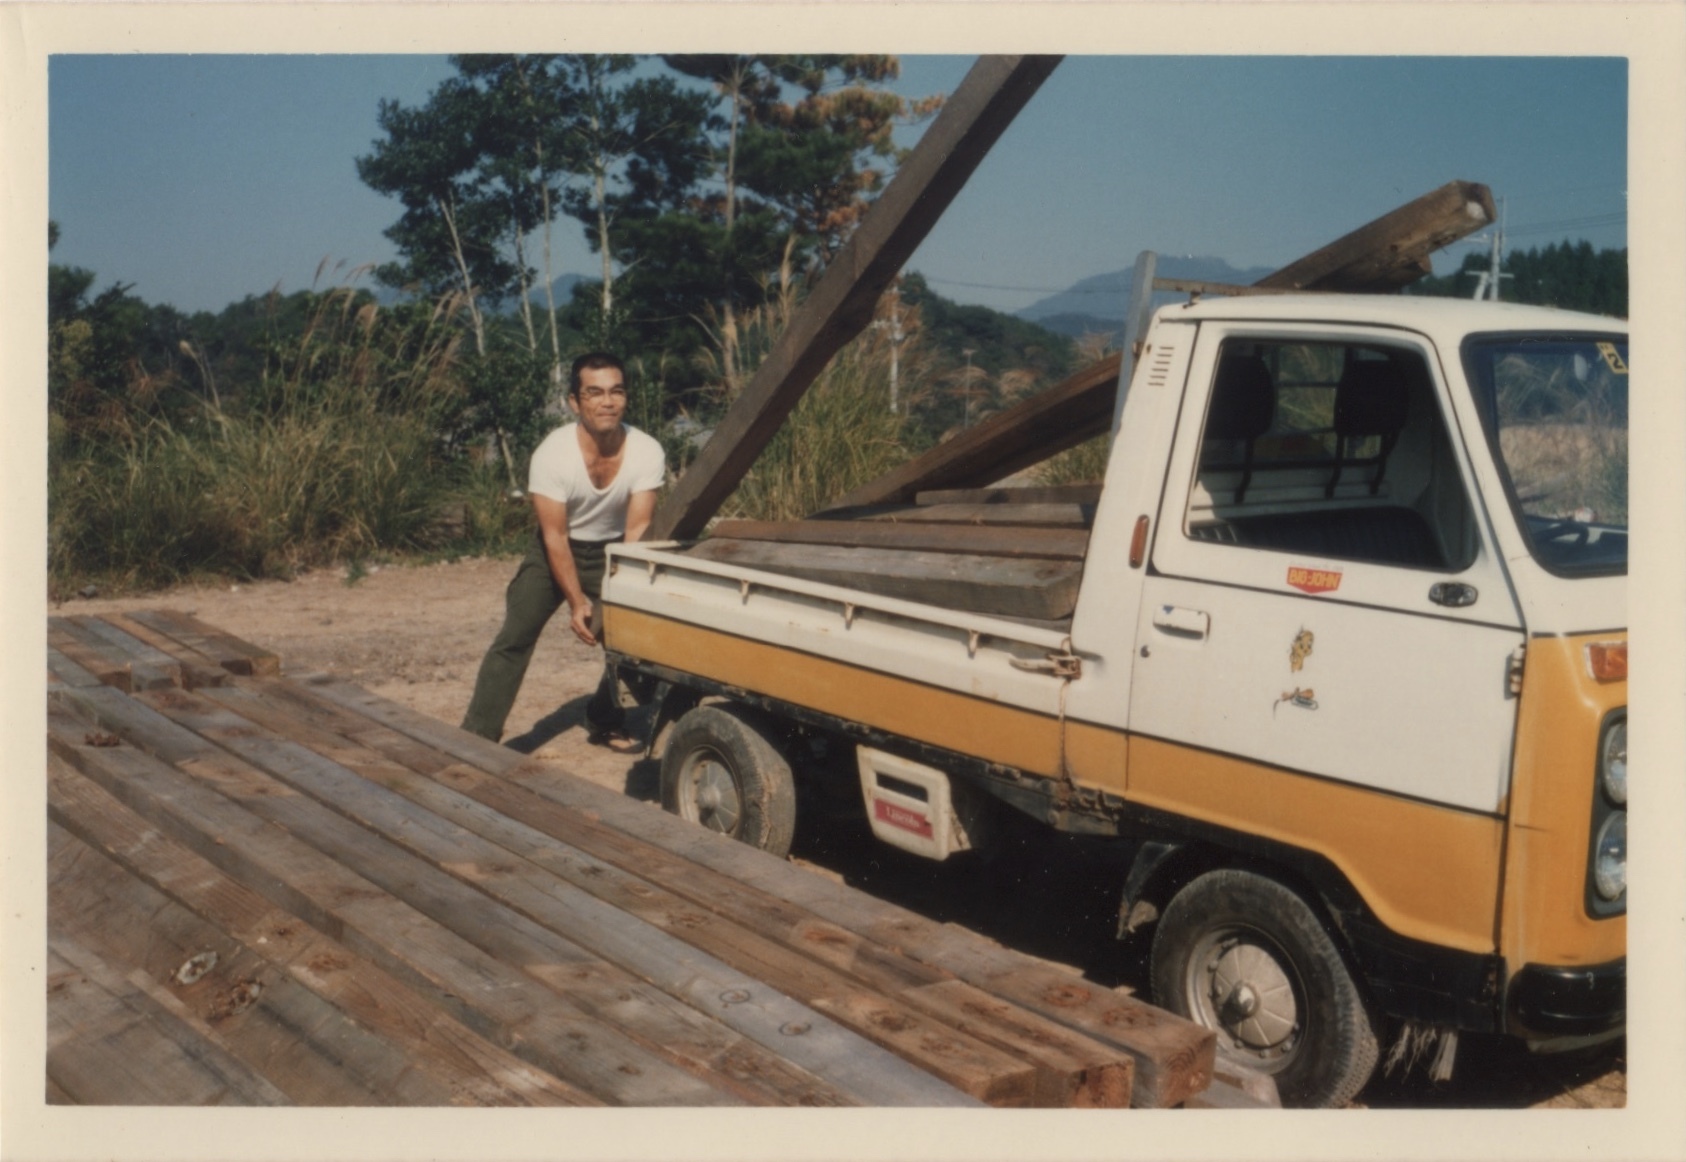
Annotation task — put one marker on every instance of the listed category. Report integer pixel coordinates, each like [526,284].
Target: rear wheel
[1248,958]
[720,771]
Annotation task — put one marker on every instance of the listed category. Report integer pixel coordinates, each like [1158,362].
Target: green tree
[1011,358]
[1570,275]
[807,145]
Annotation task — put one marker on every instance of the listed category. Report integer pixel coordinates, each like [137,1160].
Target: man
[592,482]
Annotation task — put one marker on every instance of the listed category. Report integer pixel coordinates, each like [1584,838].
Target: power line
[1040,289]
[1588,222]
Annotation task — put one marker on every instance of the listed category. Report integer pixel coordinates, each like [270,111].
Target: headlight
[1612,763]
[1609,867]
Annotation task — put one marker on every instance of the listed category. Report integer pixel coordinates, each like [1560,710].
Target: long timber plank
[198,669]
[110,1043]
[1173,1057]
[1014,494]
[763,933]
[628,921]
[61,643]
[460,1066]
[972,537]
[231,653]
[144,670]
[124,646]
[1024,515]
[496,997]
[1043,589]
[61,671]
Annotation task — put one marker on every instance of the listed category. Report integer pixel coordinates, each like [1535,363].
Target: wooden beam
[1027,494]
[1061,544]
[1045,590]
[1051,515]
[197,669]
[842,304]
[1074,410]
[233,654]
[1393,250]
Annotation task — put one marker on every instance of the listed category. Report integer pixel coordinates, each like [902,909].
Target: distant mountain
[1098,303]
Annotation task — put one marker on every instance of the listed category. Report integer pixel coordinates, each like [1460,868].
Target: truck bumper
[1580,1004]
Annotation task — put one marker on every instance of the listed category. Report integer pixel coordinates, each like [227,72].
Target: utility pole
[1494,276]
[1487,281]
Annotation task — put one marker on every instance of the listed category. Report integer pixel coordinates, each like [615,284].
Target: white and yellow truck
[1347,666]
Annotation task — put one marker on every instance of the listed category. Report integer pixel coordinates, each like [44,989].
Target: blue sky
[200,179]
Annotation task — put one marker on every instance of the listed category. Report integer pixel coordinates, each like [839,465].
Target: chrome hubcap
[1240,988]
[713,800]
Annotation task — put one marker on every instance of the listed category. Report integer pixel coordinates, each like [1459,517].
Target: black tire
[720,771]
[1248,958]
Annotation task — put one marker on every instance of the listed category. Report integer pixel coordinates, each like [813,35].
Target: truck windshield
[1555,407]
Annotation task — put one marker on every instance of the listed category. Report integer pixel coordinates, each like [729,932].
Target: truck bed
[269,890]
[1005,552]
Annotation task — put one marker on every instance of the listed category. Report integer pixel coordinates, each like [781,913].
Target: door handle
[1176,620]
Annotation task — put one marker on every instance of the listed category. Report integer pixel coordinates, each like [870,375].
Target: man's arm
[640,510]
[553,527]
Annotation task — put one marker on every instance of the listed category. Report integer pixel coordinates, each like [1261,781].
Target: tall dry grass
[335,453]
[842,434]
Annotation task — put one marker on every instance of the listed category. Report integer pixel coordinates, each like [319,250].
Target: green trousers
[532,598]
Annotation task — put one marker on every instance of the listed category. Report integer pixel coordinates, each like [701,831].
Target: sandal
[613,737]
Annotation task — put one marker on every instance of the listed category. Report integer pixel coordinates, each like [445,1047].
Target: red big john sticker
[1313,580]
[901,817]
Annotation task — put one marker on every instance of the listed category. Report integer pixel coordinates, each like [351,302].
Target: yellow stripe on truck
[1556,773]
[973,726]
[1428,872]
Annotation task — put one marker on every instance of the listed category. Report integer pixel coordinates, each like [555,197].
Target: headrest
[1243,399]
[1370,399]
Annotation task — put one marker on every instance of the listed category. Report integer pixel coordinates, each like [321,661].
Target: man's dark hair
[592,361]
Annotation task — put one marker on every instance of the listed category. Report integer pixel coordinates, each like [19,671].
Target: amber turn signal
[1138,543]
[1607,661]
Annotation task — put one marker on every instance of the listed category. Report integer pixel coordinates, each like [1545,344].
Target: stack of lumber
[269,890]
[1006,552]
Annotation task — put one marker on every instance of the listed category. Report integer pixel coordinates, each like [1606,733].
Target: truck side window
[1332,449]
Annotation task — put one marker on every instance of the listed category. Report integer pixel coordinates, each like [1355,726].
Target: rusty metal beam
[1393,250]
[980,110]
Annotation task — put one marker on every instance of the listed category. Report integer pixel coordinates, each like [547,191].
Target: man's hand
[579,620]
[553,526]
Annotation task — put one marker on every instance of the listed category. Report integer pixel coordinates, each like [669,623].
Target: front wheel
[1247,957]
[720,771]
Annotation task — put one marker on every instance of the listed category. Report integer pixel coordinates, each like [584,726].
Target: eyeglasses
[599,394]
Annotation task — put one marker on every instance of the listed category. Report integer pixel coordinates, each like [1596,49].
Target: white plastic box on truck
[1347,666]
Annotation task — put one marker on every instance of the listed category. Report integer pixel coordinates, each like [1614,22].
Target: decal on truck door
[1313,580]
[1300,650]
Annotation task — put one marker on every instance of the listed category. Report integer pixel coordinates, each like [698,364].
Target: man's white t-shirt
[595,514]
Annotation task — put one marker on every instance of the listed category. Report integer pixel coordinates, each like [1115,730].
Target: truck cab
[1377,636]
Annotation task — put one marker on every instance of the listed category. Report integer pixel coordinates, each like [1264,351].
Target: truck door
[1326,634]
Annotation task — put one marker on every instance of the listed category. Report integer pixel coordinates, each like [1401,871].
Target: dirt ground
[415,634]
